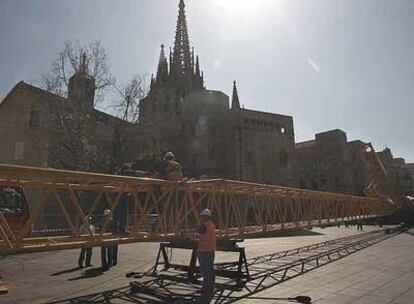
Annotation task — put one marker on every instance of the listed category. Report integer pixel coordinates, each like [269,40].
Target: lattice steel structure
[239,208]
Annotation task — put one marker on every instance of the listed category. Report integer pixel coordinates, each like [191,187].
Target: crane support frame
[240,208]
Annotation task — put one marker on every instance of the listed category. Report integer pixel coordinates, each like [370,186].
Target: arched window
[283,158]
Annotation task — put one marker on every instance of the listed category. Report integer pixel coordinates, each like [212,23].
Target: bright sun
[240,5]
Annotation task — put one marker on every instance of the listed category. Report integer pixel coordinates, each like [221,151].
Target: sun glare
[240,5]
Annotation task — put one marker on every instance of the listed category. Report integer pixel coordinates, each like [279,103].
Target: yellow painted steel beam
[239,208]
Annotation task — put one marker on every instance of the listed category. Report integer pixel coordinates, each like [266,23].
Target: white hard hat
[107,212]
[206,212]
[169,155]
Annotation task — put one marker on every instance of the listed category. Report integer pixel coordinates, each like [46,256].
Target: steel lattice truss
[239,208]
[265,272]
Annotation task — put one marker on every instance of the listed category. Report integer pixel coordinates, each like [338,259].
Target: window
[34,123]
[282,130]
[283,158]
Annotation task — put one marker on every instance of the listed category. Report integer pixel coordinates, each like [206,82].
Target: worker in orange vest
[171,169]
[206,249]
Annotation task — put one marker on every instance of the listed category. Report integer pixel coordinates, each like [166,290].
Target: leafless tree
[73,141]
[126,104]
[68,62]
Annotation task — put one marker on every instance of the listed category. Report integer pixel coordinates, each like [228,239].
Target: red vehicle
[14,206]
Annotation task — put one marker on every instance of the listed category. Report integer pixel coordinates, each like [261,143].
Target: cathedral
[210,135]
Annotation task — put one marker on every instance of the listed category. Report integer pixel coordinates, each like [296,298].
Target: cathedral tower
[176,76]
[235,103]
[82,86]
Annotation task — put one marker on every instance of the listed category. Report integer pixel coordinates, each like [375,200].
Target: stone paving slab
[383,273]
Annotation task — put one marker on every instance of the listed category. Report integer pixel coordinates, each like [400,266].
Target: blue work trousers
[206,260]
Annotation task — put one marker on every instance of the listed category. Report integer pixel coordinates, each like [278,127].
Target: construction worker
[107,251]
[171,169]
[86,252]
[206,249]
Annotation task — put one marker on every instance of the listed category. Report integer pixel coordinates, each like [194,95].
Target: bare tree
[75,140]
[69,61]
[126,104]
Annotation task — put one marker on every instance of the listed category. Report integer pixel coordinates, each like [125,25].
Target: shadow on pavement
[288,233]
[65,271]
[90,273]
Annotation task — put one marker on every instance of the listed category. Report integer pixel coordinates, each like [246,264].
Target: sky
[346,64]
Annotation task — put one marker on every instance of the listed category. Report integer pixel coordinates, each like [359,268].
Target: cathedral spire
[162,71]
[83,65]
[197,67]
[235,104]
[182,54]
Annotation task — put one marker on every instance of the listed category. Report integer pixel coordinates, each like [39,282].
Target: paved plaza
[382,273]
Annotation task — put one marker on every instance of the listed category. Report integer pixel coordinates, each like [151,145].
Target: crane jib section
[60,202]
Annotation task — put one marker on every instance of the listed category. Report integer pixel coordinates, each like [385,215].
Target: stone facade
[400,175]
[210,135]
[326,163]
[179,114]
[331,163]
[42,129]
[207,135]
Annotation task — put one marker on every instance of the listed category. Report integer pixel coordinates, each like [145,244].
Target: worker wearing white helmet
[206,251]
[86,252]
[108,253]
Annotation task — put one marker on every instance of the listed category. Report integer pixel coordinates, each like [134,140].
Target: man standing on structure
[171,169]
[206,250]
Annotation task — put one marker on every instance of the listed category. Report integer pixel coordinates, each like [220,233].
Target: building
[209,135]
[332,163]
[400,175]
[42,129]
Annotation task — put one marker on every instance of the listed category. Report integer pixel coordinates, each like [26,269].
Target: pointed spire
[192,59]
[171,60]
[235,103]
[197,67]
[152,85]
[162,71]
[182,53]
[83,65]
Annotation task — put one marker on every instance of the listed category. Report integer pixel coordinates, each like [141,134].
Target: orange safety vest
[173,171]
[207,240]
